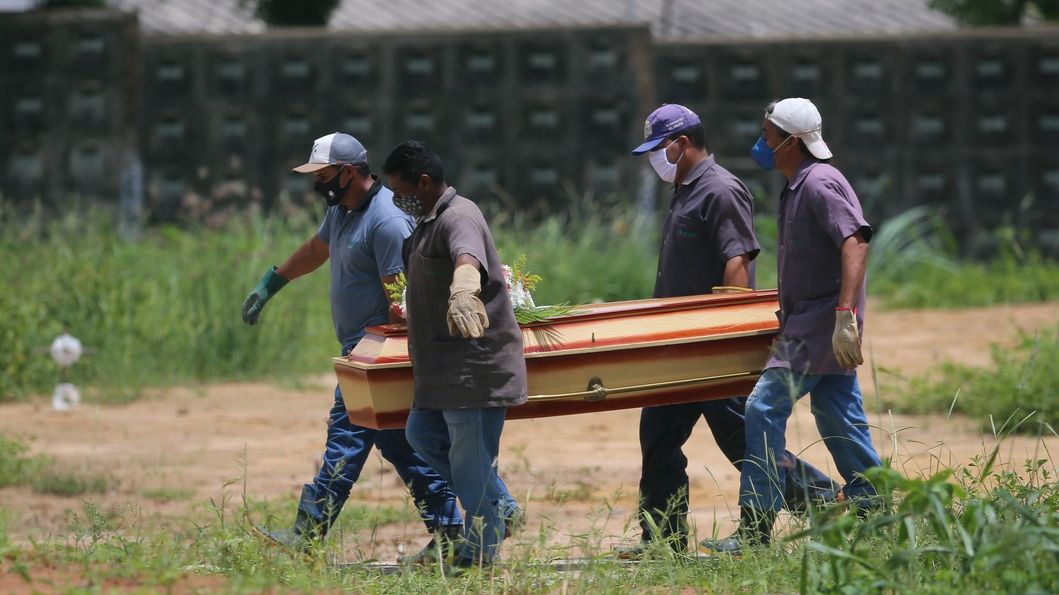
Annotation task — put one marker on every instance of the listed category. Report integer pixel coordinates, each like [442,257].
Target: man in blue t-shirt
[361,234]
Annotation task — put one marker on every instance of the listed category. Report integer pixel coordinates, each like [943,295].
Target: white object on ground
[65,350]
[65,397]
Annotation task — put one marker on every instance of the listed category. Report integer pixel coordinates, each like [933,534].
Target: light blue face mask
[763,156]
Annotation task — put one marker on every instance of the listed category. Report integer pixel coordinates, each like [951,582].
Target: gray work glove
[846,339]
[466,312]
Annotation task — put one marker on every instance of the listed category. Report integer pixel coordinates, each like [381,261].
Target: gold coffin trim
[598,392]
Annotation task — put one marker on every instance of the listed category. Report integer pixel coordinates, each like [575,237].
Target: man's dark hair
[696,134]
[411,159]
[801,144]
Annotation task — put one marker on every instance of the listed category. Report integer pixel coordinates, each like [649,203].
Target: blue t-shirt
[365,245]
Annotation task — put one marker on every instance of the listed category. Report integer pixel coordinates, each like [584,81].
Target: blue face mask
[763,156]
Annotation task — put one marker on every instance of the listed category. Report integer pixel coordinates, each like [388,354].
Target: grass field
[986,527]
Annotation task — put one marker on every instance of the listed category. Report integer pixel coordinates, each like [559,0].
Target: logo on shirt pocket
[683,232]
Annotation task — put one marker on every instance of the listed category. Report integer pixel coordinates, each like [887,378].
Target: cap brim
[819,149]
[648,146]
[309,168]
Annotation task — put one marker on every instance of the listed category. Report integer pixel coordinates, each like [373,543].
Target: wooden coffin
[599,357]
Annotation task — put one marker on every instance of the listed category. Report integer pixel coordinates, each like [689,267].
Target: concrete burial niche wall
[68,103]
[965,121]
[507,111]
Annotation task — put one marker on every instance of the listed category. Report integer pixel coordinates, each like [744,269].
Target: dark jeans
[664,479]
[345,453]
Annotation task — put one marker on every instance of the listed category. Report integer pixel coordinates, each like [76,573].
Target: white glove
[466,312]
[846,339]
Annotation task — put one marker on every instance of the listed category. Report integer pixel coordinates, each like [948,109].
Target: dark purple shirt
[710,221]
[454,372]
[818,211]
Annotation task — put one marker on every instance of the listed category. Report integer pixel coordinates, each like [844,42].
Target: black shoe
[755,529]
[440,548]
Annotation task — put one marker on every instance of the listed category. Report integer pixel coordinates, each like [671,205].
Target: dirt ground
[575,475]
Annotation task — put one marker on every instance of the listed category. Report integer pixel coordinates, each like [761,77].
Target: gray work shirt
[818,211]
[454,372]
[710,221]
[365,245]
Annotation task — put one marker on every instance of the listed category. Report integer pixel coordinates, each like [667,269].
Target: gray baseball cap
[336,147]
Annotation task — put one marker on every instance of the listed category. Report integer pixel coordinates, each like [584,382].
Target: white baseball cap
[334,148]
[800,118]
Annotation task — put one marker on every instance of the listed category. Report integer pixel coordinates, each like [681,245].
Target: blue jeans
[345,453]
[664,480]
[463,446]
[839,412]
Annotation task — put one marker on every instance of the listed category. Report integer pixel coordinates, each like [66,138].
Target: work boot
[755,529]
[306,532]
[441,547]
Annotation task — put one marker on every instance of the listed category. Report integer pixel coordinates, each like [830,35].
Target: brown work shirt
[454,372]
[818,212]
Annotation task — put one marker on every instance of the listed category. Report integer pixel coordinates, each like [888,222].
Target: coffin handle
[597,391]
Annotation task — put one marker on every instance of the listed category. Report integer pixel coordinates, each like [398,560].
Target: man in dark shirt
[708,245]
[822,255]
[464,343]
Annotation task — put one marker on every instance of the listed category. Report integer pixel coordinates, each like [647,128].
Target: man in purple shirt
[708,245]
[823,252]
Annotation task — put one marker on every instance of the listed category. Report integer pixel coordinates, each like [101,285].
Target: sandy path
[575,474]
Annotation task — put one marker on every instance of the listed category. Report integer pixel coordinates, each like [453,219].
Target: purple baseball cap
[663,122]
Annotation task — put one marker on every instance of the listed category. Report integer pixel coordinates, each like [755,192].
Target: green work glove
[269,285]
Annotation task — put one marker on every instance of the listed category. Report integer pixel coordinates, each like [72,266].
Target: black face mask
[333,191]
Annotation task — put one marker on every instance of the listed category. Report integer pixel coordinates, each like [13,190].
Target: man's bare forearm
[737,271]
[305,259]
[854,263]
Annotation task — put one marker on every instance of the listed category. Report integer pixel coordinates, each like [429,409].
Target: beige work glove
[846,339]
[466,312]
[729,289]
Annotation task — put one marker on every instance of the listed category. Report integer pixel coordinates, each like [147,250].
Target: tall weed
[1021,382]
